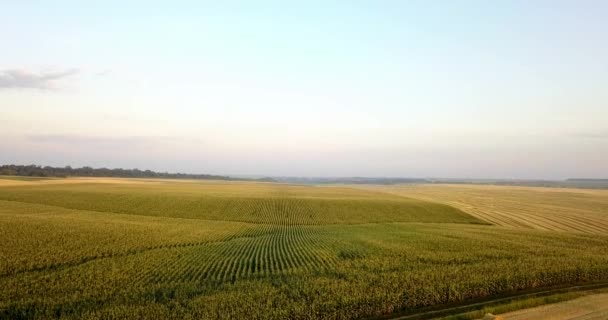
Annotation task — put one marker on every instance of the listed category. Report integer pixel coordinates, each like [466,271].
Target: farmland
[118,248]
[554,209]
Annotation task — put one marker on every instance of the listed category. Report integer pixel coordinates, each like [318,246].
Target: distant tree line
[47,171]
[350,180]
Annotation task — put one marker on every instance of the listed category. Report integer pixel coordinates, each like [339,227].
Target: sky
[452,89]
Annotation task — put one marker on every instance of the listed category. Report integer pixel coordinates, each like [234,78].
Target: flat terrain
[593,307]
[555,209]
[118,248]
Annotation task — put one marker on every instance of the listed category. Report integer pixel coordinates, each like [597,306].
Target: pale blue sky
[508,89]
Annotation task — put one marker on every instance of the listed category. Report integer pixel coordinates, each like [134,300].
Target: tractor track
[435,312]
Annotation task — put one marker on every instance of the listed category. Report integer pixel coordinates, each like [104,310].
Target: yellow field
[556,209]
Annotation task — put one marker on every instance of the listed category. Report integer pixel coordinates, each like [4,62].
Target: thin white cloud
[21,78]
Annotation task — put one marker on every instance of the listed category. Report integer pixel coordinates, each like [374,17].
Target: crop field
[120,248]
[555,209]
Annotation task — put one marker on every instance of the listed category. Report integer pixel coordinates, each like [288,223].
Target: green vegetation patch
[61,262]
[256,203]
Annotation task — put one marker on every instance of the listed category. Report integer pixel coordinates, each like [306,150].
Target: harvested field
[554,209]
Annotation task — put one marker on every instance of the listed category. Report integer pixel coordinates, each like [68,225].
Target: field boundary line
[438,311]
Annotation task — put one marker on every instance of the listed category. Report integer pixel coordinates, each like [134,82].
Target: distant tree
[48,171]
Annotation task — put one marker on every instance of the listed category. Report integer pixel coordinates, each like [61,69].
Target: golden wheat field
[137,248]
[556,209]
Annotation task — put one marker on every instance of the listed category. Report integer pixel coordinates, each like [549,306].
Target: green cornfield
[153,249]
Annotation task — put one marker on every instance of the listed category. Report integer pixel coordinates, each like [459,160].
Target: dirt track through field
[585,308]
[439,313]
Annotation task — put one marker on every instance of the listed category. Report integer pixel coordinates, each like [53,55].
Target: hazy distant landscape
[64,172]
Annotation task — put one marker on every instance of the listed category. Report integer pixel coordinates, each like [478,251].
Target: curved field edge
[588,306]
[32,231]
[253,203]
[551,209]
[374,270]
[507,302]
